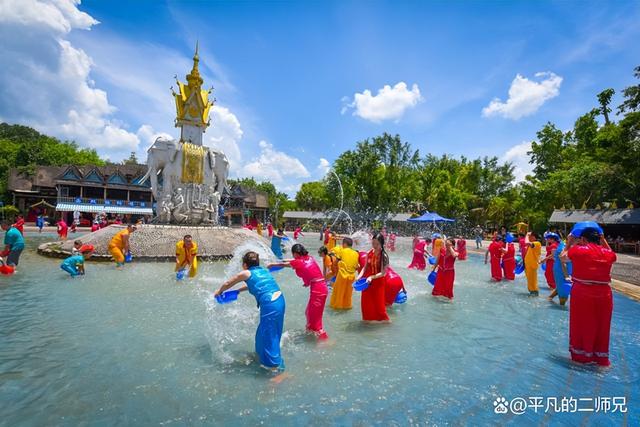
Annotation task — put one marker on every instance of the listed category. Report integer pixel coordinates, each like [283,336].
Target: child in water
[308,270]
[271,303]
[327,263]
[77,244]
[74,265]
[40,222]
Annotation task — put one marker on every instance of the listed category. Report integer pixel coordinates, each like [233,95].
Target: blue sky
[297,83]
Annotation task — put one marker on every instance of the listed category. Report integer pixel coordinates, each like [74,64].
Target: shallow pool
[135,347]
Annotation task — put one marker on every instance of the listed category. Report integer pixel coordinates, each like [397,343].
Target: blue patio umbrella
[430,217]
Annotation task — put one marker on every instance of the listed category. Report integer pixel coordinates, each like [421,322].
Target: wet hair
[348,241]
[187,236]
[498,238]
[534,234]
[323,251]
[452,241]
[591,235]
[280,231]
[384,258]
[251,259]
[299,249]
[428,240]
[77,242]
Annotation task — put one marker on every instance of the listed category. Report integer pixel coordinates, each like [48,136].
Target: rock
[158,242]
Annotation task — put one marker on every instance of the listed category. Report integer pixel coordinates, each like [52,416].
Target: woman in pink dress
[306,267]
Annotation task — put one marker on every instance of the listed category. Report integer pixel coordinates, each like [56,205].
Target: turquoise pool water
[134,347]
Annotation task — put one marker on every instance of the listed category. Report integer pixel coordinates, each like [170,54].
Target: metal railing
[105,202]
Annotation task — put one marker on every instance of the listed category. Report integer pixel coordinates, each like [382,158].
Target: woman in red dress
[446,272]
[591,300]
[461,248]
[509,260]
[495,250]
[552,240]
[373,298]
[419,253]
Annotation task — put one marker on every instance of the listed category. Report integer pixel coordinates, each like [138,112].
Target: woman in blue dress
[561,273]
[270,299]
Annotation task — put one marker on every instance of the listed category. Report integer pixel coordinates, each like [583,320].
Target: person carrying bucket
[373,297]
[509,258]
[119,245]
[308,270]
[13,244]
[271,302]
[591,299]
[187,256]
[347,265]
[446,271]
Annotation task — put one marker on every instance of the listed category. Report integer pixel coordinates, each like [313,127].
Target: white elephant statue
[164,159]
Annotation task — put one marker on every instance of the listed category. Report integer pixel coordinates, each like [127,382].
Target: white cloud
[525,96]
[225,133]
[517,155]
[46,80]
[323,167]
[274,166]
[389,104]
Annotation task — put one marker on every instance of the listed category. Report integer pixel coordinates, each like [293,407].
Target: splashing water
[230,327]
[339,212]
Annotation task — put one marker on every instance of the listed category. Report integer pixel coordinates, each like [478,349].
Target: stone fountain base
[158,242]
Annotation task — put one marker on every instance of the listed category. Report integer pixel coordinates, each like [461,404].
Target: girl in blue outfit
[270,299]
[561,272]
[74,265]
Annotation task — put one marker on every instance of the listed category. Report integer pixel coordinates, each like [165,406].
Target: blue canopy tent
[431,217]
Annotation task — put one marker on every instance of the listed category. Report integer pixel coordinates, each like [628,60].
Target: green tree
[631,96]
[313,196]
[604,98]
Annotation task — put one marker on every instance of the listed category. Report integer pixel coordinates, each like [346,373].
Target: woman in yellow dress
[119,244]
[187,255]
[347,258]
[531,262]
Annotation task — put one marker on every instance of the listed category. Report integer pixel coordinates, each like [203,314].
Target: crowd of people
[578,267]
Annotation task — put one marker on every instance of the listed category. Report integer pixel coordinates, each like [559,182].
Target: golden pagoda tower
[192,105]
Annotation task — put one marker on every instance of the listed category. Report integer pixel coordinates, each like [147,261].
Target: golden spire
[194,78]
[192,102]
